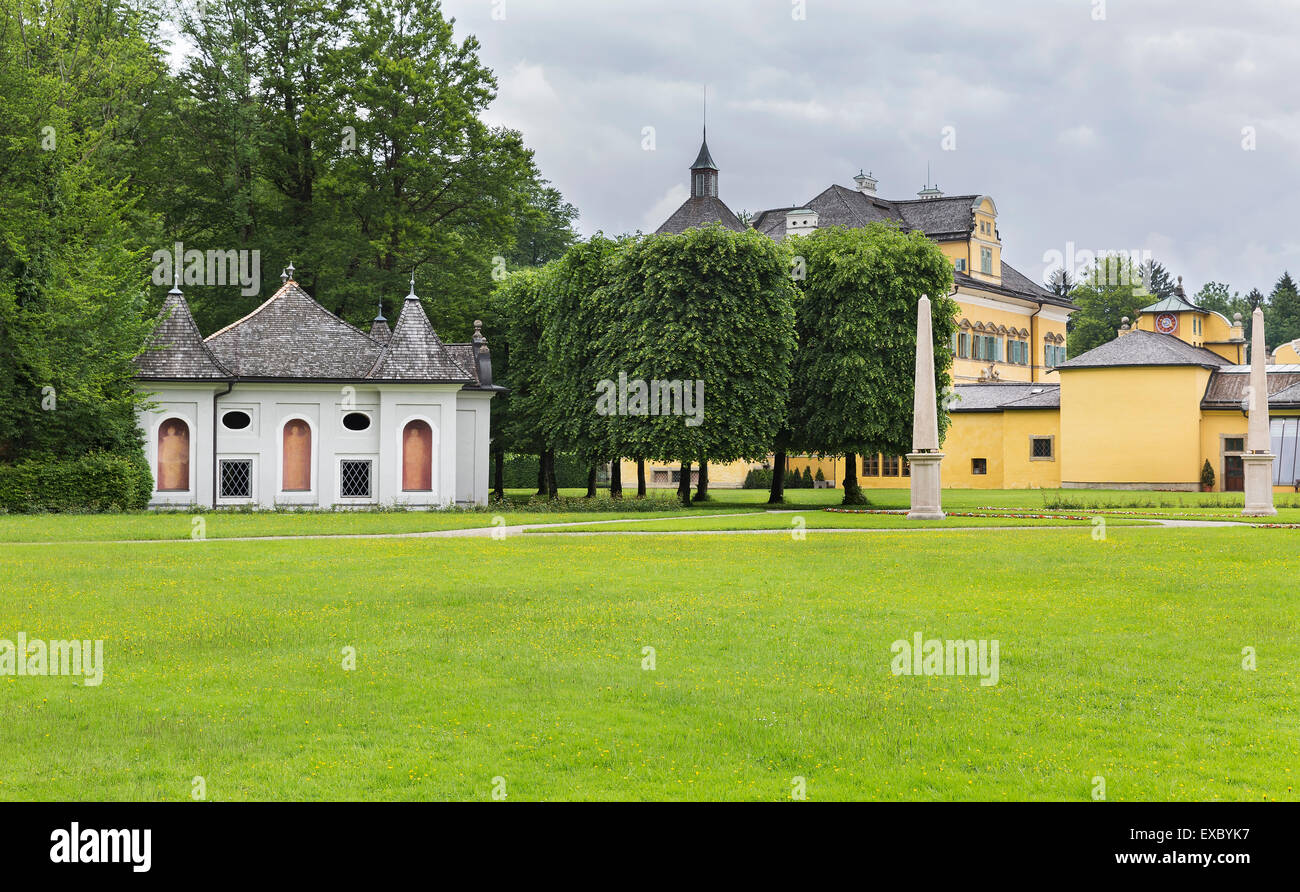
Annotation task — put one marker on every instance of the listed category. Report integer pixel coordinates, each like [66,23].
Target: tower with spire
[704,206]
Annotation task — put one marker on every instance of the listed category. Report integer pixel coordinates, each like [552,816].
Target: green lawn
[826,520]
[236,524]
[522,659]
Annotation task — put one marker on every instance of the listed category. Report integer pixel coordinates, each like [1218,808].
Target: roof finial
[706,112]
[284,276]
[412,296]
[380,316]
[176,282]
[289,269]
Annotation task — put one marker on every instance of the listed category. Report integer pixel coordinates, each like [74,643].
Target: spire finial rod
[411,295]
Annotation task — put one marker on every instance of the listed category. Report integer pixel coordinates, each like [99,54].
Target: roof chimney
[866,183]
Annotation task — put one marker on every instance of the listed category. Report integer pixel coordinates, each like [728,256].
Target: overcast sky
[1120,132]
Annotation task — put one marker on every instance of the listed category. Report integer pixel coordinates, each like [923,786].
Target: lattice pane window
[354,479]
[236,478]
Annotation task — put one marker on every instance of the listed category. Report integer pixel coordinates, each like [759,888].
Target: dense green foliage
[713,309]
[346,137]
[95,482]
[1108,293]
[854,372]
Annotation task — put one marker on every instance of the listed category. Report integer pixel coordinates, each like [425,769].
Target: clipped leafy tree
[1282,313]
[854,371]
[521,304]
[580,312]
[711,312]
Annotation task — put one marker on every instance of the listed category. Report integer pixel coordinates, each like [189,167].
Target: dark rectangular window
[354,479]
[1040,447]
[1234,444]
[871,465]
[236,478]
[979,466]
[891,466]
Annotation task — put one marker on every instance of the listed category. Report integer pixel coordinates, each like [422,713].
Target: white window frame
[251,498]
[371,499]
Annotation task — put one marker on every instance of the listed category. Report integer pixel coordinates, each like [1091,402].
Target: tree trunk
[499,476]
[591,482]
[541,473]
[776,496]
[552,490]
[640,478]
[684,485]
[702,491]
[852,492]
[616,479]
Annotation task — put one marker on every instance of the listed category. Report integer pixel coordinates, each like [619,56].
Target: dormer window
[986,261]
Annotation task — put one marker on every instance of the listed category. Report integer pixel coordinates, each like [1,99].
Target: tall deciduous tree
[713,311]
[854,371]
[576,346]
[73,298]
[1109,291]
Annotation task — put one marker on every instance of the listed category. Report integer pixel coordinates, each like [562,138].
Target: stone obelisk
[925,456]
[1258,460]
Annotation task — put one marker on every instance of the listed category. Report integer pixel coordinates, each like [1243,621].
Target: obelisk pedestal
[925,457]
[1257,463]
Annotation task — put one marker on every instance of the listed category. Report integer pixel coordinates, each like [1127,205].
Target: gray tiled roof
[290,336]
[175,351]
[941,219]
[1227,387]
[949,217]
[415,353]
[700,211]
[1145,348]
[1003,395]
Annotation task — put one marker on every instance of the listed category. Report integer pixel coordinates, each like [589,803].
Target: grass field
[522,659]
[238,524]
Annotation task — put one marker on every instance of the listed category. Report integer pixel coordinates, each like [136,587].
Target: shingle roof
[415,353]
[292,336]
[1227,387]
[949,217]
[1002,395]
[938,218]
[175,350]
[700,211]
[1145,348]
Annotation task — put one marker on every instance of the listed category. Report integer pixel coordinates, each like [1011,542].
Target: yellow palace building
[1146,410]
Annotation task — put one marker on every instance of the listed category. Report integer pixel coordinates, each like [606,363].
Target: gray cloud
[1124,133]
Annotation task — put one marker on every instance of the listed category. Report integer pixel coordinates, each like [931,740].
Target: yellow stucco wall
[1287,354]
[1132,426]
[1019,469]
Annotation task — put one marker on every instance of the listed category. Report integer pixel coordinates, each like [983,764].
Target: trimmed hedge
[97,482]
[520,472]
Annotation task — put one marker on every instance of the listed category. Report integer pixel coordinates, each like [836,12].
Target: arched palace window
[417,457]
[297,456]
[173,472]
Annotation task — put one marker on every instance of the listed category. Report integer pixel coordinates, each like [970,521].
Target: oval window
[356,421]
[237,421]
